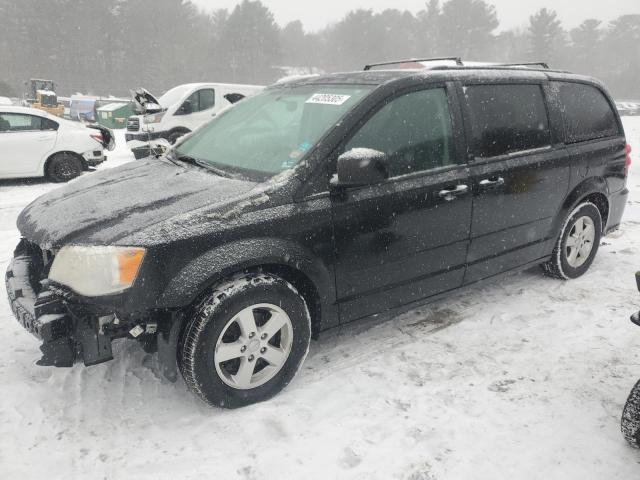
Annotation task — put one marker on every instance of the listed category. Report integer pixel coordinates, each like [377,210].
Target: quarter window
[586,112]
[507,119]
[414,131]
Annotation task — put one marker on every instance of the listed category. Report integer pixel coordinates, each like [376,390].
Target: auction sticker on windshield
[328,99]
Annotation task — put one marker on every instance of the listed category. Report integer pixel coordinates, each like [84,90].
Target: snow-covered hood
[107,207]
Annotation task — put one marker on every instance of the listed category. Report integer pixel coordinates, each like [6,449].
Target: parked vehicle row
[179,111]
[314,203]
[34,143]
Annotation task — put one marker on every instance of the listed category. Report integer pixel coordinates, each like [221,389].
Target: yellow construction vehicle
[41,94]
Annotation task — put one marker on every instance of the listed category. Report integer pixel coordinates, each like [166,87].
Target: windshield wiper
[203,164]
[169,156]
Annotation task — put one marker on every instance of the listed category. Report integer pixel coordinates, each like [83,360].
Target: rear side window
[507,119]
[18,122]
[586,111]
[48,124]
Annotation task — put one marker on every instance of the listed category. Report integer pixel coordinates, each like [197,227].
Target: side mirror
[361,166]
[186,108]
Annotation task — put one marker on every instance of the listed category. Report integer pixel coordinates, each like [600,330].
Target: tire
[175,136]
[222,324]
[64,167]
[631,418]
[577,244]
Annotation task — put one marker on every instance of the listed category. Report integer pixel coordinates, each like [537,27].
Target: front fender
[207,269]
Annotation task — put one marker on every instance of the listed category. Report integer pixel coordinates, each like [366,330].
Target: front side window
[207,99]
[271,132]
[18,122]
[413,130]
[507,119]
[190,105]
[586,112]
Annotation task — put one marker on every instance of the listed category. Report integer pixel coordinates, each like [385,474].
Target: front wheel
[577,244]
[631,418]
[175,136]
[245,342]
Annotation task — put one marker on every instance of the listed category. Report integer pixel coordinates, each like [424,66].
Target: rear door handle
[492,182]
[453,193]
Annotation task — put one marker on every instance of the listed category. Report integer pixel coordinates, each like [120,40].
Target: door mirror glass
[362,166]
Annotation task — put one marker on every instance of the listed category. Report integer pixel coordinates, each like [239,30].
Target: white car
[179,111]
[36,144]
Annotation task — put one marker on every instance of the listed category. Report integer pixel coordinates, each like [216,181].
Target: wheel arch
[592,190]
[181,130]
[288,260]
[47,162]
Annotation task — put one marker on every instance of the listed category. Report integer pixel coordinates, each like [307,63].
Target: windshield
[173,96]
[271,132]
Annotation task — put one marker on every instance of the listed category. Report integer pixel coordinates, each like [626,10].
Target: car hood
[106,207]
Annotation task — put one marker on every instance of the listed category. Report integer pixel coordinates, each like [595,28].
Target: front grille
[133,124]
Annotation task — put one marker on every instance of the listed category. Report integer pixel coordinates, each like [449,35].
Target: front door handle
[492,182]
[453,193]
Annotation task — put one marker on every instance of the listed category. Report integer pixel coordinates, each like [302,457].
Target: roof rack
[543,65]
[458,61]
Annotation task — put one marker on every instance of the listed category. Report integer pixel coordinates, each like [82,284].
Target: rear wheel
[577,244]
[631,418]
[64,167]
[246,341]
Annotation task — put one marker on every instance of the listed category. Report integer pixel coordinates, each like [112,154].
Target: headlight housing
[97,271]
[154,117]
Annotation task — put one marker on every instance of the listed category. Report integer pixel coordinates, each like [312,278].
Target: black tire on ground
[631,418]
[214,320]
[559,266]
[173,137]
[64,167]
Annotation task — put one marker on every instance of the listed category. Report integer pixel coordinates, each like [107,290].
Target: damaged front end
[70,330]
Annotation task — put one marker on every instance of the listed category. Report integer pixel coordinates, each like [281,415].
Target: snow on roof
[25,110]
[45,92]
[111,107]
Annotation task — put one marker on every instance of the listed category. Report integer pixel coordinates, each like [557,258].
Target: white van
[178,112]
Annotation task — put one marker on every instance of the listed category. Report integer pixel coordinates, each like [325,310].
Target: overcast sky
[512,13]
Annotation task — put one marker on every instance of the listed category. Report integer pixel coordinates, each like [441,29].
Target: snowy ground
[524,379]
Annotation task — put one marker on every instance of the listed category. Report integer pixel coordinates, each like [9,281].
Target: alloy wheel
[579,244]
[253,346]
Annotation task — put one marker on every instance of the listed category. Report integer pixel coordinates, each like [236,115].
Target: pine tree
[467,28]
[250,44]
[546,37]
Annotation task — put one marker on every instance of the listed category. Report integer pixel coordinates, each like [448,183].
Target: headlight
[96,271]
[154,118]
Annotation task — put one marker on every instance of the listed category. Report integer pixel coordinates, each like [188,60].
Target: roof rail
[543,65]
[458,61]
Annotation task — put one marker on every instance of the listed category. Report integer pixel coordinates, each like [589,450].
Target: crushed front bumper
[66,336]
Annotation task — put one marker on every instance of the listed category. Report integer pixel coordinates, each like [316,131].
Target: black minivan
[320,201]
